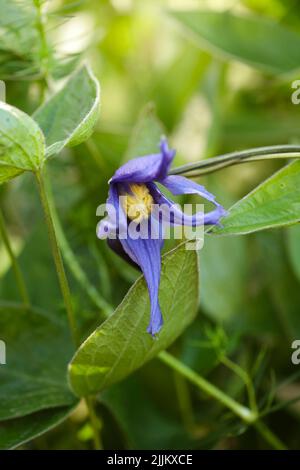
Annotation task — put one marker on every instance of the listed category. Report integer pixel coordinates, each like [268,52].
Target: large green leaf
[274,203]
[257,41]
[38,348]
[121,344]
[69,116]
[223,276]
[15,432]
[22,144]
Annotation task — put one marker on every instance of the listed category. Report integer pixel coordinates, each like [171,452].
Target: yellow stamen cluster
[138,203]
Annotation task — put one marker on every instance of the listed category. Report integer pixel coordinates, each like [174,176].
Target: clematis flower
[133,196]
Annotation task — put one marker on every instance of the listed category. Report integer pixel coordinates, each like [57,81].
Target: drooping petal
[146,168]
[146,253]
[171,212]
[178,185]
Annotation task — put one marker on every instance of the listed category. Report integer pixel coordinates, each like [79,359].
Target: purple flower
[135,197]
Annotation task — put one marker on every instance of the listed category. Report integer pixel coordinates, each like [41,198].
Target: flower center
[138,203]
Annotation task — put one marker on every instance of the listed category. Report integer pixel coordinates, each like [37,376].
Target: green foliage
[39,348]
[257,41]
[22,144]
[274,203]
[69,116]
[121,344]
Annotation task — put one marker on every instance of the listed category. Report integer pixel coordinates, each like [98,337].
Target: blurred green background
[208,104]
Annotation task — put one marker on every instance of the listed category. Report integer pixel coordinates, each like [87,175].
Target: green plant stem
[44,49]
[244,376]
[94,423]
[64,285]
[269,436]
[71,260]
[244,413]
[245,156]
[14,262]
[248,416]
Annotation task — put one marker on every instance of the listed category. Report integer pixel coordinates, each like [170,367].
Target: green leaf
[69,116]
[223,276]
[146,135]
[259,42]
[38,349]
[274,203]
[19,39]
[121,344]
[22,144]
[15,432]
[293,246]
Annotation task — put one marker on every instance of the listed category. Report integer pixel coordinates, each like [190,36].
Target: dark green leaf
[38,348]
[121,344]
[15,432]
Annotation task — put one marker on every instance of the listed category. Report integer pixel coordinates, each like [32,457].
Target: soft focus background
[208,104]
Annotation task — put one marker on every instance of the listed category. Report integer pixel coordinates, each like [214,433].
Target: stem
[72,262]
[44,49]
[244,413]
[14,262]
[64,285]
[244,376]
[245,156]
[247,415]
[269,436]
[94,423]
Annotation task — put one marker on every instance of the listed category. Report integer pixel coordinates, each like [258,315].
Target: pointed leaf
[274,203]
[121,344]
[69,116]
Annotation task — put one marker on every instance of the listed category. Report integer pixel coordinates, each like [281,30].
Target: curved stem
[14,262]
[63,281]
[245,156]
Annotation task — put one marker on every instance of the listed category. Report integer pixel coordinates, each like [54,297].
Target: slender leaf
[259,42]
[274,203]
[69,116]
[121,344]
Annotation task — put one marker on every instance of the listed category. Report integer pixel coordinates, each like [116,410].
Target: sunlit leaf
[121,344]
[69,116]
[22,144]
